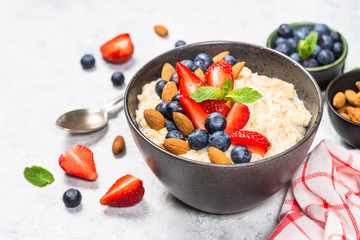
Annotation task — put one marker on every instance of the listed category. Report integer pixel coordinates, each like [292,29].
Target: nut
[200,74]
[218,156]
[176,146]
[354,114]
[154,119]
[343,108]
[220,56]
[339,100]
[357,84]
[167,71]
[352,97]
[229,104]
[169,91]
[237,69]
[345,115]
[118,146]
[183,123]
[161,30]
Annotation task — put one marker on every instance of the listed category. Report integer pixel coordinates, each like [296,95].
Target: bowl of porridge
[280,123]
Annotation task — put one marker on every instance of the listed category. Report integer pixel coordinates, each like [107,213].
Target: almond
[183,123]
[345,115]
[218,156]
[118,146]
[357,84]
[339,100]
[176,146]
[167,71]
[220,56]
[169,91]
[343,108]
[154,119]
[229,104]
[237,69]
[352,97]
[161,30]
[354,114]
[200,74]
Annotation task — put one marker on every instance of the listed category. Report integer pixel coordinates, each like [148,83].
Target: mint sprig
[38,176]
[243,95]
[307,46]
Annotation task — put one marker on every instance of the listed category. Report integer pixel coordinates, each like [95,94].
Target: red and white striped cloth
[323,201]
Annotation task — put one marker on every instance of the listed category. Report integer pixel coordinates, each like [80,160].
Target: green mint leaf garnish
[207,93]
[227,86]
[243,95]
[38,176]
[307,46]
[355,69]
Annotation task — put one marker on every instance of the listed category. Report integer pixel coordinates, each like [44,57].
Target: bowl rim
[214,165]
[320,68]
[328,102]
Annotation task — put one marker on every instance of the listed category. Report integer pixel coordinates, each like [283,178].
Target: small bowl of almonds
[343,100]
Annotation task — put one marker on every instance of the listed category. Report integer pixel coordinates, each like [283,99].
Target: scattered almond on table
[161,30]
[118,146]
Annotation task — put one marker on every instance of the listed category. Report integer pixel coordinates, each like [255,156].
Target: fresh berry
[337,49]
[189,64]
[310,62]
[292,43]
[176,98]
[215,122]
[170,125]
[72,198]
[175,134]
[118,79]
[79,161]
[119,49]
[322,29]
[316,51]
[230,59]
[295,56]
[240,154]
[173,106]
[205,58]
[198,139]
[87,61]
[215,106]
[200,64]
[188,81]
[220,140]
[180,43]
[194,111]
[125,192]
[285,31]
[159,87]
[325,57]
[237,117]
[336,37]
[283,48]
[175,78]
[305,29]
[255,141]
[161,107]
[298,34]
[218,73]
[325,41]
[279,40]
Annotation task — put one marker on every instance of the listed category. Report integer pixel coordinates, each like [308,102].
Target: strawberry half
[196,113]
[215,106]
[237,117]
[188,81]
[125,192]
[79,161]
[218,73]
[255,141]
[119,49]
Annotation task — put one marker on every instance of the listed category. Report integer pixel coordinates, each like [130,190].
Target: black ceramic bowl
[216,188]
[323,74]
[348,131]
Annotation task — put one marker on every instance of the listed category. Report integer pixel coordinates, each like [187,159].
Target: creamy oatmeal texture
[279,114]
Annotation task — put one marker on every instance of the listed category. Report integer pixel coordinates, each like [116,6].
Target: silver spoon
[87,120]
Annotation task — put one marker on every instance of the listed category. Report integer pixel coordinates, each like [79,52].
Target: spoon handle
[108,106]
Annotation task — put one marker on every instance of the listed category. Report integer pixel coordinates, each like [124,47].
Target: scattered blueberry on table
[180,43]
[72,198]
[118,79]
[87,61]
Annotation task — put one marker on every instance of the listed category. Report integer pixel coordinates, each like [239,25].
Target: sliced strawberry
[255,141]
[218,73]
[194,111]
[215,106]
[188,81]
[125,192]
[237,117]
[119,49]
[79,161]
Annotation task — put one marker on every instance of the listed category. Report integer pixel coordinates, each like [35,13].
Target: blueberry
[298,34]
[215,122]
[175,78]
[285,31]
[173,106]
[117,79]
[325,57]
[316,51]
[295,56]
[176,97]
[200,64]
[279,40]
[220,140]
[87,61]
[310,62]
[325,41]
[283,48]
[180,43]
[292,43]
[175,134]
[161,107]
[336,37]
[205,58]
[230,59]
[189,64]
[240,154]
[170,125]
[322,29]
[198,139]
[337,49]
[305,29]
[159,87]
[72,198]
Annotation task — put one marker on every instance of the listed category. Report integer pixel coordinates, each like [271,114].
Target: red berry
[255,141]
[215,106]
[188,81]
[218,73]
[237,117]
[119,49]
[194,111]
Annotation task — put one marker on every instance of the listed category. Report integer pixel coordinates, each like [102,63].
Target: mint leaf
[243,95]
[38,176]
[207,93]
[307,46]
[355,69]
[227,85]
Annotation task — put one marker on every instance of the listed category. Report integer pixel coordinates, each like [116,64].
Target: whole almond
[220,56]
[352,97]
[161,30]
[167,71]
[154,119]
[218,156]
[169,91]
[339,100]
[176,146]
[237,69]
[118,146]
[354,114]
[345,115]
[343,108]
[183,123]
[357,84]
